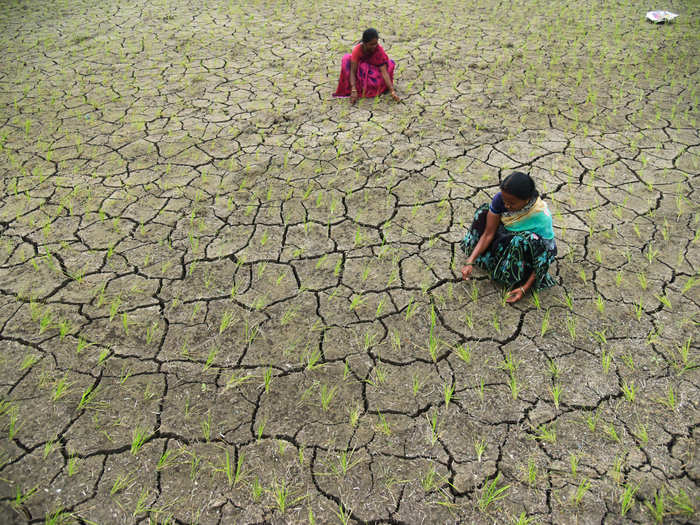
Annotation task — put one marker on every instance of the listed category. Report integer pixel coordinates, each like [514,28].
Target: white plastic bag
[659,17]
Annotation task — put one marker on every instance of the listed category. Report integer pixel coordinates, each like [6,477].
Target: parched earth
[226,297]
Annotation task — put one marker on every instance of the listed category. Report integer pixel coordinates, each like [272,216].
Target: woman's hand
[515,295]
[467,271]
[395,96]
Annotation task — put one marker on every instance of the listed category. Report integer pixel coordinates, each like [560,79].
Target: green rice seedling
[553,368]
[345,463]
[124,374]
[611,433]
[383,425]
[283,495]
[88,397]
[683,504]
[256,489]
[233,473]
[663,299]
[546,433]
[638,309]
[531,472]
[380,307]
[657,508]
[573,462]
[536,299]
[49,447]
[151,331]
[205,425]
[338,267]
[59,517]
[313,357]
[125,322]
[580,492]
[45,321]
[104,355]
[480,448]
[327,394]
[343,513]
[469,320]
[141,507]
[618,278]
[356,301]
[523,519]
[600,304]
[627,498]
[690,283]
[629,390]
[568,301]
[72,464]
[434,423]
[515,387]
[670,400]
[606,360]
[267,377]
[491,493]
[651,253]
[380,374]
[261,429]
[167,459]
[21,498]
[556,393]
[429,480]
[28,362]
[138,437]
[628,359]
[354,414]
[63,328]
[61,388]
[226,320]
[417,384]
[114,307]
[510,363]
[369,339]
[496,322]
[640,432]
[464,352]
[448,391]
[642,278]
[194,465]
[433,341]
[122,482]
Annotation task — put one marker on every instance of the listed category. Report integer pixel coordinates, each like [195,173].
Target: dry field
[226,297]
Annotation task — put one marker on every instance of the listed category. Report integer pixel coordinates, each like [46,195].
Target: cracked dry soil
[226,297]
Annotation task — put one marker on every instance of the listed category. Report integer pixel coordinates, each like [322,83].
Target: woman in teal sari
[512,238]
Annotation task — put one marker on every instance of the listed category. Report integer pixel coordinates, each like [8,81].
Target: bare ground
[226,297]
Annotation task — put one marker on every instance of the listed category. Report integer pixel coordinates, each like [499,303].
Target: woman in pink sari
[368,71]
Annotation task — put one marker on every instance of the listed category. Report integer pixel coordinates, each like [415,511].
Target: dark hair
[520,185]
[369,34]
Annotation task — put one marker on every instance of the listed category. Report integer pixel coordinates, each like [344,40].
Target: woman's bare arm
[492,222]
[354,95]
[387,80]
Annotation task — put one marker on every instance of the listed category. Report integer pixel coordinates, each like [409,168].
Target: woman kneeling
[512,238]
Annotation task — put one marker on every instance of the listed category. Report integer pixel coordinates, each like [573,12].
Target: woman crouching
[368,71]
[512,238]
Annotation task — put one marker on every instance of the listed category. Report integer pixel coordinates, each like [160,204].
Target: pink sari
[369,79]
